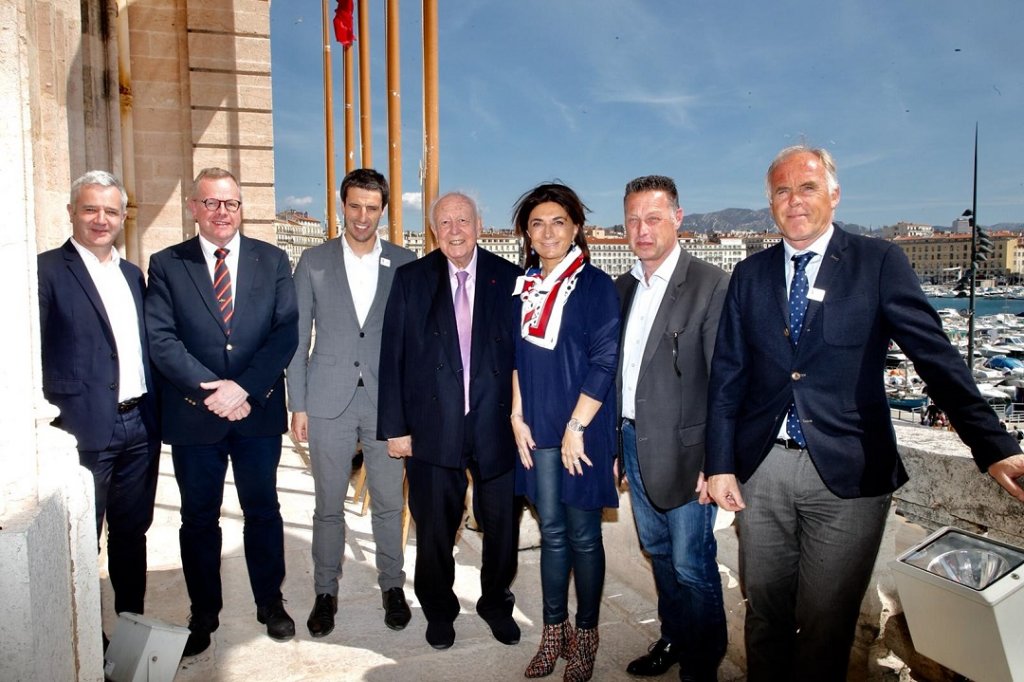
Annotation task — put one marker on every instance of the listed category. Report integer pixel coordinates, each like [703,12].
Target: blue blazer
[835,374]
[80,371]
[189,344]
[421,390]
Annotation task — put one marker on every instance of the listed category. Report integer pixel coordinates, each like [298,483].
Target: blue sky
[595,92]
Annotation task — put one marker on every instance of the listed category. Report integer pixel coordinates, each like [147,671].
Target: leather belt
[627,420]
[789,444]
[130,404]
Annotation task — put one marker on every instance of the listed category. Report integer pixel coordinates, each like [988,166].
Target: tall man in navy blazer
[96,371]
[221,358]
[799,431]
[444,423]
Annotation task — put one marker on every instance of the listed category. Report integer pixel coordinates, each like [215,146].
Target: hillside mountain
[730,219]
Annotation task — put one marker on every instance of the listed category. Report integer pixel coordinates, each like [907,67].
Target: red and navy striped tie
[222,287]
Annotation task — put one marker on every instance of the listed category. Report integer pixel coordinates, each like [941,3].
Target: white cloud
[413,200]
[295,202]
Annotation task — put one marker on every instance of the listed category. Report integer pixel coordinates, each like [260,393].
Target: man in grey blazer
[342,288]
[671,303]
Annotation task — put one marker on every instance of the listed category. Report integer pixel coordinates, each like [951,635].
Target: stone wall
[153,94]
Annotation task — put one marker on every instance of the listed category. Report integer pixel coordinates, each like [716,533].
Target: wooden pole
[365,124]
[350,114]
[394,103]
[430,119]
[332,225]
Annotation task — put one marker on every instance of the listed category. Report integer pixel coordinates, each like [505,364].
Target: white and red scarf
[544,299]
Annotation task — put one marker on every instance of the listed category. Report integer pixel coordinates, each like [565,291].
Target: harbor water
[982,305]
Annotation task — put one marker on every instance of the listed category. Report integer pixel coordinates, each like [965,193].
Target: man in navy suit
[96,371]
[800,438]
[445,417]
[223,325]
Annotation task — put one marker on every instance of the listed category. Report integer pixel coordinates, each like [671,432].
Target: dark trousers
[805,562]
[200,471]
[125,476]
[437,497]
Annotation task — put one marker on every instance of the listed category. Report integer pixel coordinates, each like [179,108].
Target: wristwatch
[575,426]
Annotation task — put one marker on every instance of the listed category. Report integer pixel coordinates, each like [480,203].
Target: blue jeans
[570,543]
[681,545]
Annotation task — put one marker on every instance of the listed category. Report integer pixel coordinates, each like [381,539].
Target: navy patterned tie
[222,287]
[797,307]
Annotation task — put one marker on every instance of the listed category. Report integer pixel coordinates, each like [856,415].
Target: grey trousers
[332,446]
[806,558]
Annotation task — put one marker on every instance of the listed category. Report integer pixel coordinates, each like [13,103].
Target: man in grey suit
[671,303]
[342,288]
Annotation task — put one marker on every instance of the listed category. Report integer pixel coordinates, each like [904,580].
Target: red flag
[343,29]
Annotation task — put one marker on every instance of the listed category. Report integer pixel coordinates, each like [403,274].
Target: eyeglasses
[231,205]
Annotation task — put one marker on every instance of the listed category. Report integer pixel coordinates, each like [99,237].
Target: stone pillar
[49,584]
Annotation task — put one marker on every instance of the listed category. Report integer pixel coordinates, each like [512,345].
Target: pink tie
[464,321]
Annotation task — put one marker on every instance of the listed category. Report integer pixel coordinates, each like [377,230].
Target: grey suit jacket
[671,392]
[322,383]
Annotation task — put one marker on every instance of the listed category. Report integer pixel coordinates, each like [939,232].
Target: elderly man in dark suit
[96,371]
[445,404]
[671,304]
[342,288]
[800,440]
[221,316]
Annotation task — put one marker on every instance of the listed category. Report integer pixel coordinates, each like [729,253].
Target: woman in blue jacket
[563,416]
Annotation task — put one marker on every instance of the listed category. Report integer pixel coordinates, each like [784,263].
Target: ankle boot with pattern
[554,642]
[581,659]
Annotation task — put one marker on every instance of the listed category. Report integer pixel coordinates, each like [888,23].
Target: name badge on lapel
[816,294]
[385,262]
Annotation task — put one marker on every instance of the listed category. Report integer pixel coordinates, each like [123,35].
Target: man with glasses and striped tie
[223,324]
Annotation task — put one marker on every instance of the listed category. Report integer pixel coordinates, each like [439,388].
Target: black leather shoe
[280,625]
[659,657]
[321,618]
[200,625]
[396,610]
[504,629]
[440,634]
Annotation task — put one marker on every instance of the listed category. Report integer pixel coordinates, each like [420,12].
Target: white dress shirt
[362,276]
[124,320]
[209,253]
[642,311]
